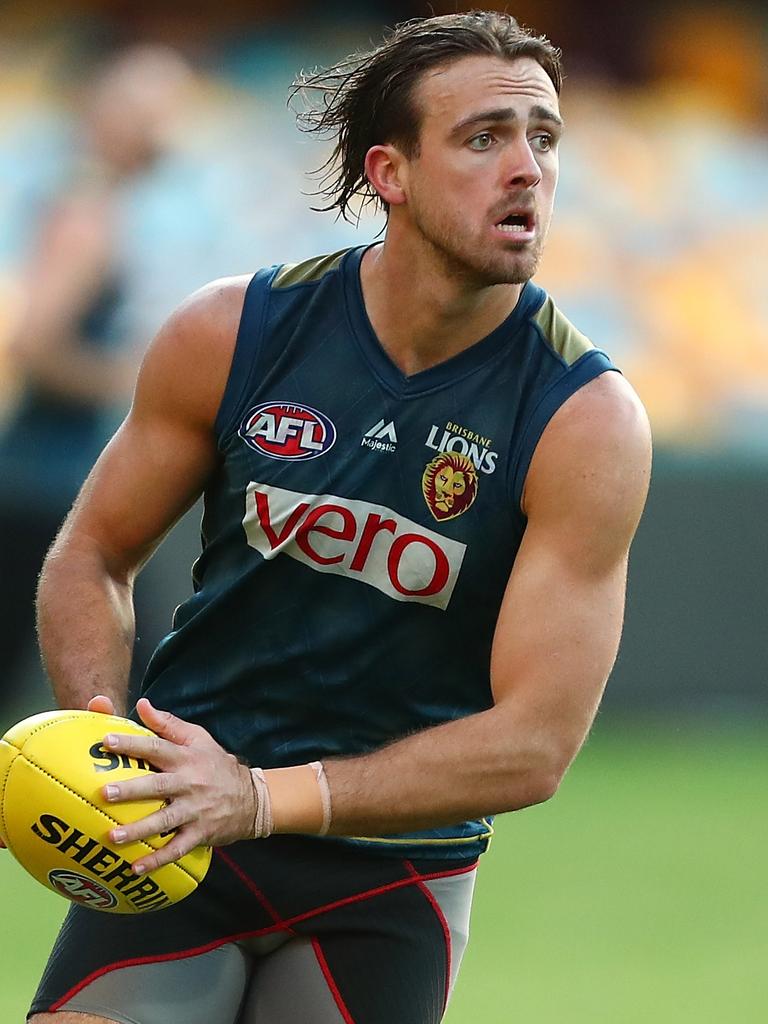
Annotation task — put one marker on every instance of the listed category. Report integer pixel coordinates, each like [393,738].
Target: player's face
[481,188]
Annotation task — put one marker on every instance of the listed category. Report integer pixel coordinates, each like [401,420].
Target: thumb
[103,705]
[171,728]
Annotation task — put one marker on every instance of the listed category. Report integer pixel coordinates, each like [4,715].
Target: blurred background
[147,148]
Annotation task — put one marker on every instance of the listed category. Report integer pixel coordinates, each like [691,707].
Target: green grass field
[637,896]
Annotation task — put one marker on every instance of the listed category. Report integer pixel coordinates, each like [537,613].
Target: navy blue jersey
[360,529]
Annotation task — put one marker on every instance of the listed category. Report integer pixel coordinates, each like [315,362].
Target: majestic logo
[82,889]
[356,539]
[281,430]
[382,437]
[449,484]
[455,438]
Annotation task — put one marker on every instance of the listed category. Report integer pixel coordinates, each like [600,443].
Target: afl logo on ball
[82,889]
[283,431]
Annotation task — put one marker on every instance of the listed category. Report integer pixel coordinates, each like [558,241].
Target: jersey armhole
[245,360]
[591,365]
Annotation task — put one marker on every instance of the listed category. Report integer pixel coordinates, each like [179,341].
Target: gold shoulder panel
[561,334]
[310,270]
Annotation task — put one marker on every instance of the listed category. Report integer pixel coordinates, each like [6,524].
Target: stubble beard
[474,264]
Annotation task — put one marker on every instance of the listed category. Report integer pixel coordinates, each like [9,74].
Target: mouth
[518,226]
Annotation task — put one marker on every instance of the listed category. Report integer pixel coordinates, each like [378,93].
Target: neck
[422,314]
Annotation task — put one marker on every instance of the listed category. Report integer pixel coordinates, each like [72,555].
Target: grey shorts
[289,930]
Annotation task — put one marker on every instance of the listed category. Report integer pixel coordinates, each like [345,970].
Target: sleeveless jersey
[360,529]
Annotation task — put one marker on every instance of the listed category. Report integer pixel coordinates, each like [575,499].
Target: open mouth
[517,224]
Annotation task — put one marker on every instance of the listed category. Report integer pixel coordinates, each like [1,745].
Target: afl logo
[280,430]
[82,889]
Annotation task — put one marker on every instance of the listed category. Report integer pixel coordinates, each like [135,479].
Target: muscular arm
[555,644]
[149,474]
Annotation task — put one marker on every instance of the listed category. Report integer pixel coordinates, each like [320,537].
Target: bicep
[560,622]
[149,474]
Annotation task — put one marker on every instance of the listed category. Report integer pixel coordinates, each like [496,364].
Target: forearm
[484,764]
[464,769]
[85,625]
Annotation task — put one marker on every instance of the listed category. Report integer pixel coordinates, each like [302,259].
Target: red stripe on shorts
[337,996]
[279,925]
[443,924]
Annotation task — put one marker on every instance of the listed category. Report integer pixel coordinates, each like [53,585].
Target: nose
[522,169]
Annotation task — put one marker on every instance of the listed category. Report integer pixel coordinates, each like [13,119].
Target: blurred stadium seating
[658,249]
[661,232]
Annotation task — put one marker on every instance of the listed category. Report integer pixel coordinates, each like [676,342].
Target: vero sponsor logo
[280,430]
[356,539]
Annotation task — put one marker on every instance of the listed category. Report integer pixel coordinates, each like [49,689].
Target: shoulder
[189,359]
[604,412]
[212,313]
[592,464]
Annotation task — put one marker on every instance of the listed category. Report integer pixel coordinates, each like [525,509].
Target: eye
[543,143]
[481,142]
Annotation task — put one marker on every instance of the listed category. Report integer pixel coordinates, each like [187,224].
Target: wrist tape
[263,824]
[262,815]
[325,795]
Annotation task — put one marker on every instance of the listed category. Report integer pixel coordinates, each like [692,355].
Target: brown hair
[368,99]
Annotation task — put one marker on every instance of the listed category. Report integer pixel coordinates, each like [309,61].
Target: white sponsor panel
[356,539]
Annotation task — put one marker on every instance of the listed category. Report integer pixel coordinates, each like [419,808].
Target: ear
[386,170]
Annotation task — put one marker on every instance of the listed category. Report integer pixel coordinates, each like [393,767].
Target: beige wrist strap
[262,817]
[296,800]
[325,796]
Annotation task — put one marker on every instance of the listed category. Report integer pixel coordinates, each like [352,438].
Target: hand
[210,800]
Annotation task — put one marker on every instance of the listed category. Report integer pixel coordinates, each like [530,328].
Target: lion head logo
[449,485]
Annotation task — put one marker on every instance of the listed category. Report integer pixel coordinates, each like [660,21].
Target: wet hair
[368,99]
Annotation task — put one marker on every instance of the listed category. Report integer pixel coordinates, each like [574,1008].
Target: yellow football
[55,821]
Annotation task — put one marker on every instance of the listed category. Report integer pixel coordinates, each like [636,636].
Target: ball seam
[75,717]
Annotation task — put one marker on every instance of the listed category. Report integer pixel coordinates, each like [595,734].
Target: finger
[158,752]
[167,819]
[165,724]
[155,785]
[184,841]
[102,704]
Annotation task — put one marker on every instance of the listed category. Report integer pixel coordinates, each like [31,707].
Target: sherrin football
[54,819]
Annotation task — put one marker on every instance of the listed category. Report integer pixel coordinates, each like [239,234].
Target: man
[421,486]
[70,352]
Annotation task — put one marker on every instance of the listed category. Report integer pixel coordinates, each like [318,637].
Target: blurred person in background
[421,486]
[75,365]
